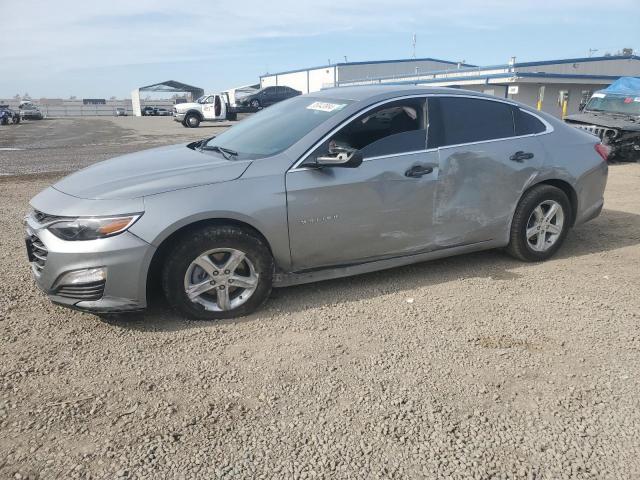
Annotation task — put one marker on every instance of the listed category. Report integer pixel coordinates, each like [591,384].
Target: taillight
[602,150]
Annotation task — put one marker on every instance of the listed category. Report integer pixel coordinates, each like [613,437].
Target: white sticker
[598,95]
[326,107]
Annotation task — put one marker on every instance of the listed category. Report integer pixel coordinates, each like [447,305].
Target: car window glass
[393,128]
[457,120]
[527,124]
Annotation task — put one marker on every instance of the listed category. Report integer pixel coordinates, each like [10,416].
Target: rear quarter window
[526,123]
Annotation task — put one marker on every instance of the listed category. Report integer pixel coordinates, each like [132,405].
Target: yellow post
[565,103]
[540,97]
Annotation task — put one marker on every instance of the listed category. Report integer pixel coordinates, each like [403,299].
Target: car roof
[365,92]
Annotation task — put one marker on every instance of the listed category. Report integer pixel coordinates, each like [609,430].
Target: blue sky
[108,47]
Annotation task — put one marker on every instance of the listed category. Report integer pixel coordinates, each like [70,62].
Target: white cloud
[70,34]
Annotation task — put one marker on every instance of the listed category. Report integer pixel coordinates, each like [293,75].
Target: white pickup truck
[213,107]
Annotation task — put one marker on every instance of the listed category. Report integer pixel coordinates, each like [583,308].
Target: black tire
[519,246]
[192,120]
[190,246]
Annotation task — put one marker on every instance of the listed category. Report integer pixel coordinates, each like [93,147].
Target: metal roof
[370,62]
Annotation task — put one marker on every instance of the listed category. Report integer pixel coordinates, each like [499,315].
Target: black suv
[268,96]
[149,111]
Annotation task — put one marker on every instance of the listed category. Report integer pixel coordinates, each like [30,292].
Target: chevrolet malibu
[335,183]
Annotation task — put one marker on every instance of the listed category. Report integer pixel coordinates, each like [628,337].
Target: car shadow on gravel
[610,231]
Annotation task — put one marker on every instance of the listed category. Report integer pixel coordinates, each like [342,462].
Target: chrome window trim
[548,128]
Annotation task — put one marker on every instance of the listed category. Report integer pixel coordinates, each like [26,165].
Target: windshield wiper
[227,153]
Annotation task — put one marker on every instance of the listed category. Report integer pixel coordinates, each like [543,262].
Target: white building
[555,86]
[316,78]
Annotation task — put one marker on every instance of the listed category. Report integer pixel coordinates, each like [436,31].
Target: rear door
[488,152]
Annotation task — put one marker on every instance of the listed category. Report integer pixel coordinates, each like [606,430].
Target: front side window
[458,120]
[393,128]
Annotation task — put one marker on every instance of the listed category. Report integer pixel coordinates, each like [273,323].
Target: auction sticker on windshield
[326,107]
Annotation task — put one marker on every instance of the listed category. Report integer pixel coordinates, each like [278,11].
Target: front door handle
[418,171]
[521,156]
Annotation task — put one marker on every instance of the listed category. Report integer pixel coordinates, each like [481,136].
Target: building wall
[528,94]
[621,67]
[306,80]
[296,80]
[363,71]
[321,78]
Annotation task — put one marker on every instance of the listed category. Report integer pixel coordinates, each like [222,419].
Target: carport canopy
[170,86]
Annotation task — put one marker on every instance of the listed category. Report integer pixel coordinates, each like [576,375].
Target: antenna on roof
[413,44]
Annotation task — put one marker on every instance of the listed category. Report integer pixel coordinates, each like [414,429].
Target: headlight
[91,228]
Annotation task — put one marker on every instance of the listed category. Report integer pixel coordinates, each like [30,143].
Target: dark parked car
[149,111]
[613,114]
[268,96]
[8,116]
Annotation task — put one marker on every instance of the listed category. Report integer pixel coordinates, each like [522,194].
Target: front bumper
[178,117]
[124,257]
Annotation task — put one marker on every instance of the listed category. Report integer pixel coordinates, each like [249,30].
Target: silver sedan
[325,185]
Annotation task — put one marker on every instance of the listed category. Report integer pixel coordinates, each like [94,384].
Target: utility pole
[592,51]
[413,43]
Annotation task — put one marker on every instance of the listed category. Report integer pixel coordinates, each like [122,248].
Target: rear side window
[527,124]
[456,120]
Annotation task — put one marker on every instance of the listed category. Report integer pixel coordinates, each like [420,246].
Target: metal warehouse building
[554,86]
[316,78]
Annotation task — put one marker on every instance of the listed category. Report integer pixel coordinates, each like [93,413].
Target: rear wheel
[218,272]
[540,224]
[255,103]
[192,120]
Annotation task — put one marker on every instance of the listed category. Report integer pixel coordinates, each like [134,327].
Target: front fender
[259,202]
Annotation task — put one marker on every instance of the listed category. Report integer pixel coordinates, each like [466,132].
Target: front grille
[599,132]
[39,253]
[83,291]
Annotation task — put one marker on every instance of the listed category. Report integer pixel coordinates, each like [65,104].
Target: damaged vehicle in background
[30,111]
[613,114]
[8,115]
[339,182]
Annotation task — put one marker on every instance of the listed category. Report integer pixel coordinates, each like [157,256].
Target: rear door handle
[521,156]
[418,171]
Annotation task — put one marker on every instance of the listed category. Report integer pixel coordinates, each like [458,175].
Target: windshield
[600,102]
[276,128]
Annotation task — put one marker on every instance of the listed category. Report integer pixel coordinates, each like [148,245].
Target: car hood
[183,107]
[604,120]
[149,172]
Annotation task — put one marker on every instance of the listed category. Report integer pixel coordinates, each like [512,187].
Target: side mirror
[341,157]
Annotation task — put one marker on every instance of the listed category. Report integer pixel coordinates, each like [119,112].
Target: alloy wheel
[220,279]
[544,226]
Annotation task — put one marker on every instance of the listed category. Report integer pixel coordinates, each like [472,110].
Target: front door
[383,208]
[488,152]
[214,108]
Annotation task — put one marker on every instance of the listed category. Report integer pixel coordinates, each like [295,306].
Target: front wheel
[540,224]
[218,272]
[192,121]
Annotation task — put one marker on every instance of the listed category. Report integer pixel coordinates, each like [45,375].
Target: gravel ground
[470,367]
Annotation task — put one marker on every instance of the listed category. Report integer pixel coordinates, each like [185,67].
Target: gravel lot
[471,367]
